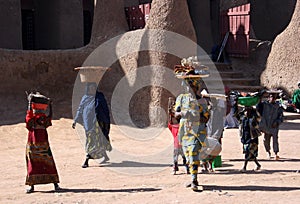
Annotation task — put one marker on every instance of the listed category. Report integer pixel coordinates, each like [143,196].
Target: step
[227,81]
[227,74]
[239,88]
[244,88]
[218,66]
[223,66]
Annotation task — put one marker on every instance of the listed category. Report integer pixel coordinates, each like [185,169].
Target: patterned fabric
[41,167]
[250,151]
[249,137]
[96,144]
[192,132]
[191,153]
[96,122]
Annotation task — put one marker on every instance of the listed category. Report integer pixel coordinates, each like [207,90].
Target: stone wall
[48,71]
[283,63]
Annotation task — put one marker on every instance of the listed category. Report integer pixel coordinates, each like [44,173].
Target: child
[173,125]
[271,117]
[249,133]
[296,98]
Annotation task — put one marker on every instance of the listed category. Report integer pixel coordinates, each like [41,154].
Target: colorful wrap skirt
[41,167]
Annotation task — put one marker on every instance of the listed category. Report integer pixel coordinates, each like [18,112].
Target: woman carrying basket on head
[93,113]
[249,120]
[41,167]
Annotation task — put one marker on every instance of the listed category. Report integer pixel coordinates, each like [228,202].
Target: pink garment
[174,130]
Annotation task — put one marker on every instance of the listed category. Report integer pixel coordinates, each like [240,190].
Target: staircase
[234,80]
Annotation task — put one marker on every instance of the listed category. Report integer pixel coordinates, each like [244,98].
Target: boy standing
[271,117]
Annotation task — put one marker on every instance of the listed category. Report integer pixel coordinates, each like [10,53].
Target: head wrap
[193,82]
[88,87]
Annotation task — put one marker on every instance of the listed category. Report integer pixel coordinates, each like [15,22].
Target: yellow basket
[91,73]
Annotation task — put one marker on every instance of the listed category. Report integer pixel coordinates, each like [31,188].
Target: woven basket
[91,73]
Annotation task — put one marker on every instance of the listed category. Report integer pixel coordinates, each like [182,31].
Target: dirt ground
[119,182]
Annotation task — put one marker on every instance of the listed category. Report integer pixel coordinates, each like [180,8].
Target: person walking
[192,127]
[232,108]
[271,118]
[215,131]
[173,125]
[41,168]
[296,98]
[93,114]
[249,133]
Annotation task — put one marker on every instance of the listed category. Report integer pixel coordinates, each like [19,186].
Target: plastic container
[217,162]
[212,148]
[248,100]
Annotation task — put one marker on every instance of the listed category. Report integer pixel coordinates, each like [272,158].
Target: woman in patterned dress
[192,127]
[41,167]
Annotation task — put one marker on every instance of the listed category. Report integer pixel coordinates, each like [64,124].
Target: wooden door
[236,21]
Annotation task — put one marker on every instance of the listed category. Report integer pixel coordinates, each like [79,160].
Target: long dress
[97,138]
[192,132]
[249,135]
[41,167]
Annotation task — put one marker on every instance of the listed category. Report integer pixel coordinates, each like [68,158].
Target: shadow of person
[248,188]
[96,190]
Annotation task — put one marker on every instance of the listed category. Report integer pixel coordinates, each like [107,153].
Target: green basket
[217,162]
[248,100]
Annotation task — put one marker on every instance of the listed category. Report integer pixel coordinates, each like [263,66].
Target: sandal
[243,170]
[30,189]
[57,187]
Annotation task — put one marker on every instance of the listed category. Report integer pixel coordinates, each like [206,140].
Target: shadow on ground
[96,190]
[282,159]
[248,188]
[251,171]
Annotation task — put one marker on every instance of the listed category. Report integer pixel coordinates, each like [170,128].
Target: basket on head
[91,73]
[185,72]
[39,102]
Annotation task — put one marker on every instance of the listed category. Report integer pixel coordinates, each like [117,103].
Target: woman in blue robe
[93,114]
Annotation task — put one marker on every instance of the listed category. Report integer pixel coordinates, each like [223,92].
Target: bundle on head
[38,101]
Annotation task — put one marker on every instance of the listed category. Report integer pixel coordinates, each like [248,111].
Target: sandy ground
[130,180]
